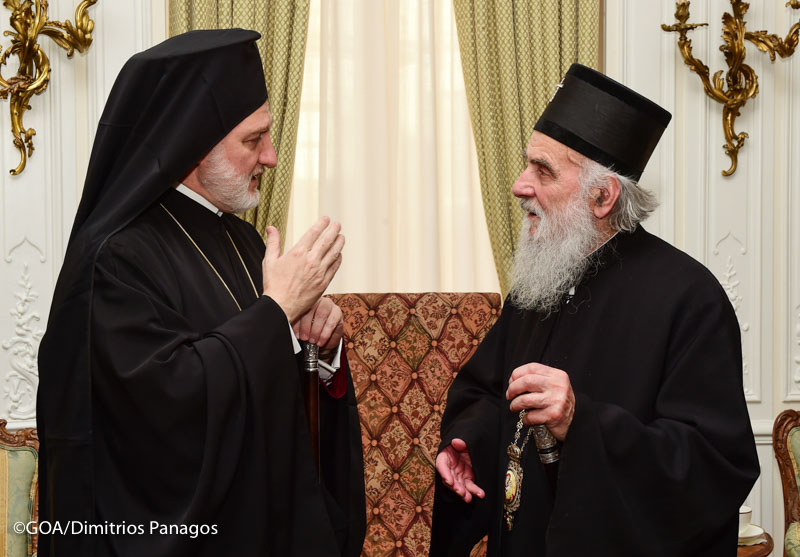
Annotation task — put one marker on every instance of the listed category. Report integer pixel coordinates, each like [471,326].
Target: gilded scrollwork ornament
[29,21]
[741,82]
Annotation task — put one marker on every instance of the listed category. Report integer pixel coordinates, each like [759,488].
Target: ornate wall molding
[25,241]
[791,383]
[22,379]
[731,283]
[730,236]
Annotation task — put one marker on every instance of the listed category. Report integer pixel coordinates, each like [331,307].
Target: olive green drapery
[513,54]
[283,25]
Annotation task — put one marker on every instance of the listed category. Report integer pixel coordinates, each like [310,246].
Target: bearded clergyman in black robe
[170,411]
[626,349]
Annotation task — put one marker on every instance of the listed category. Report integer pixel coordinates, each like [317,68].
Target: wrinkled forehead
[544,147]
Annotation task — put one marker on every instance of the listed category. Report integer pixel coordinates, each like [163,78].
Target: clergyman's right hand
[296,279]
[455,467]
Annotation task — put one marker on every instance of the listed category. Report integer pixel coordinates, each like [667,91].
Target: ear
[605,198]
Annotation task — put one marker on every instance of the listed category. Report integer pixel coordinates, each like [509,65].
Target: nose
[267,156]
[523,187]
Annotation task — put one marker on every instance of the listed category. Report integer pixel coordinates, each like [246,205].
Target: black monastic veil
[159,400]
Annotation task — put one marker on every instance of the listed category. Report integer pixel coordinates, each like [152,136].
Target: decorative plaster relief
[730,283]
[731,286]
[729,235]
[21,243]
[23,378]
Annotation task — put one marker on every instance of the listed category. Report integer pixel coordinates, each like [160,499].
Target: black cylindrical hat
[604,120]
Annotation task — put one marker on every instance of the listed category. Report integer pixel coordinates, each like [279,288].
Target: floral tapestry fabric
[404,351]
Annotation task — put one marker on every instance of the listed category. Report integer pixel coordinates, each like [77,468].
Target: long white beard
[229,186]
[549,263]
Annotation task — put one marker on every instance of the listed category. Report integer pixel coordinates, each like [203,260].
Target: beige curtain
[283,25]
[513,54]
[385,147]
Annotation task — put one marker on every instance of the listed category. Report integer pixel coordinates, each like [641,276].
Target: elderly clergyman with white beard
[626,349]
[170,409]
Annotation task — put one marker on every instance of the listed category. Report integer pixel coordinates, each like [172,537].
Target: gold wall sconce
[741,81]
[29,20]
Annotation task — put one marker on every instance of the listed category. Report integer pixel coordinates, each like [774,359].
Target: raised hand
[455,467]
[296,279]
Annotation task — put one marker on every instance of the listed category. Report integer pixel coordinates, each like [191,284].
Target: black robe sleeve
[670,484]
[474,407]
[198,428]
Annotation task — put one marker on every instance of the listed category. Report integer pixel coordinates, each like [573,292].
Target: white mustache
[531,206]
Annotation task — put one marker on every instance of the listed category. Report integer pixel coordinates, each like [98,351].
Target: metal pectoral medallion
[513,489]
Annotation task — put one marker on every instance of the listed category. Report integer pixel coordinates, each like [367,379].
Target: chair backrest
[404,351]
[19,490]
[786,443]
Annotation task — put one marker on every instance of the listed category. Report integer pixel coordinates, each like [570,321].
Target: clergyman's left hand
[546,393]
[321,325]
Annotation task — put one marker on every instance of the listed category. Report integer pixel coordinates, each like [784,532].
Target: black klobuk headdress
[604,120]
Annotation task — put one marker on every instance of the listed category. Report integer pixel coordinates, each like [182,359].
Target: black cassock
[161,406]
[198,413]
[660,453]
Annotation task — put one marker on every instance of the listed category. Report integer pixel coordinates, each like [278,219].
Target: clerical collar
[191,194]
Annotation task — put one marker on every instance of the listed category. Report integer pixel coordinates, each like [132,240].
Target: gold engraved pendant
[513,486]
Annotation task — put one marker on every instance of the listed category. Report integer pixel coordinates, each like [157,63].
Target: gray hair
[634,203]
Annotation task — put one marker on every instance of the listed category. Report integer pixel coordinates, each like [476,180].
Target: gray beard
[553,260]
[228,186]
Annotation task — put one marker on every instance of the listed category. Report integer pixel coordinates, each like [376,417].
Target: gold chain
[514,473]
[225,284]
[255,291]
[519,429]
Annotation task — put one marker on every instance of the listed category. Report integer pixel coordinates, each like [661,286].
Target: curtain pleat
[513,54]
[283,25]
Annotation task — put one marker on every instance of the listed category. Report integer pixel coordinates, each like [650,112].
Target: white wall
[744,227]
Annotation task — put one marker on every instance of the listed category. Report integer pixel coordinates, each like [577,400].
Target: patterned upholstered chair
[19,490]
[786,442]
[404,351]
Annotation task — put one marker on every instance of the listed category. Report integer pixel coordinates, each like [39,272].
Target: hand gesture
[321,325]
[455,467]
[546,393]
[296,279]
